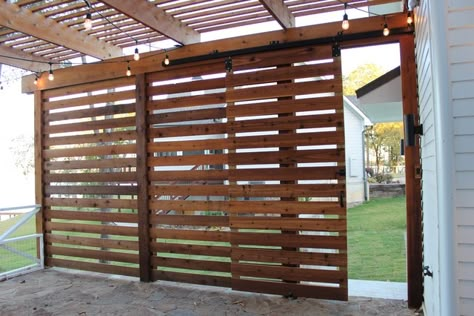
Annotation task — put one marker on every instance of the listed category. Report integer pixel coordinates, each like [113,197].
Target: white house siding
[460,22]
[353,127]
[429,181]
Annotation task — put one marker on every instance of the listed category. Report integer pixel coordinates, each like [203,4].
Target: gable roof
[377,83]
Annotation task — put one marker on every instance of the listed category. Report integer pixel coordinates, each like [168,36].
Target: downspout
[364,172]
[445,168]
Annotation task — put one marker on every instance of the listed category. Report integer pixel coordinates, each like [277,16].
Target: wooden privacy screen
[243,184]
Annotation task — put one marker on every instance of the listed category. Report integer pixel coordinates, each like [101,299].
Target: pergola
[224,167]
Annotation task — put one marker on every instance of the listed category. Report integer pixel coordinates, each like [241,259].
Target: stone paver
[56,292]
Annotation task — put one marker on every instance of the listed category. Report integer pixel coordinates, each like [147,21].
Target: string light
[36,80]
[129,71]
[409,18]
[345,19]
[88,22]
[166,61]
[51,75]
[386,30]
[136,54]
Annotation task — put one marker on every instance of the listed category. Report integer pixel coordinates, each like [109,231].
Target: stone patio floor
[61,292]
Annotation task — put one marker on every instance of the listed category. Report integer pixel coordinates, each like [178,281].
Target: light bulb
[136,55]
[386,30]
[409,18]
[51,75]
[88,22]
[345,22]
[166,61]
[36,81]
[129,72]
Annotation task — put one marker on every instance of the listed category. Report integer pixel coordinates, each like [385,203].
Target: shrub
[383,178]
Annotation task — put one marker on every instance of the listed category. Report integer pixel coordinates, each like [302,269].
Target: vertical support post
[412,176]
[142,179]
[38,137]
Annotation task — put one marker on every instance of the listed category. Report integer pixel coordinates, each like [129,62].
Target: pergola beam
[20,59]
[34,24]
[280,12]
[156,19]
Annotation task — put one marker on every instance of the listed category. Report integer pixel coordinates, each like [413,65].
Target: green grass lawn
[376,240]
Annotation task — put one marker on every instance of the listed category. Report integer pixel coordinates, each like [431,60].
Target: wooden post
[38,110]
[412,176]
[142,180]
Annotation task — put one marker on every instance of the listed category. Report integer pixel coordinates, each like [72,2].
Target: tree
[384,140]
[22,148]
[361,76]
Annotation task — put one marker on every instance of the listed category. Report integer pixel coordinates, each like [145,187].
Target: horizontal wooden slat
[180,205]
[90,113]
[191,145]
[90,164]
[94,99]
[99,203]
[285,106]
[97,138]
[189,175]
[195,85]
[289,240]
[90,125]
[89,87]
[90,151]
[285,207]
[204,265]
[191,278]
[193,220]
[180,117]
[187,249]
[296,290]
[92,254]
[186,190]
[91,216]
[287,123]
[287,157]
[285,223]
[289,173]
[288,140]
[286,190]
[187,102]
[189,130]
[197,160]
[93,229]
[288,273]
[203,235]
[91,177]
[289,257]
[91,242]
[92,190]
[93,267]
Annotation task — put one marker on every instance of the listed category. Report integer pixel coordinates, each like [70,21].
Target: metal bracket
[427,271]
[228,64]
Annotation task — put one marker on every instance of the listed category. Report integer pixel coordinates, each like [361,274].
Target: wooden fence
[203,175]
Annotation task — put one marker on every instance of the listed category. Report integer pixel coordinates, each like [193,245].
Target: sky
[18,111]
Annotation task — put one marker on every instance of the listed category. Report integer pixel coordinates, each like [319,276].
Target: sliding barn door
[287,213]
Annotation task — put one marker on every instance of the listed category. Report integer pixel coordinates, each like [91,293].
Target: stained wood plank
[93,254]
[288,273]
[287,157]
[190,130]
[96,229]
[191,175]
[290,173]
[186,206]
[289,241]
[297,290]
[90,151]
[204,265]
[127,177]
[286,190]
[202,235]
[193,220]
[93,267]
[88,100]
[91,242]
[266,222]
[98,203]
[185,116]
[92,137]
[187,102]
[214,159]
[186,190]
[91,216]
[195,250]
[90,164]
[195,85]
[191,145]
[89,87]
[89,113]
[191,278]
[87,125]
[289,257]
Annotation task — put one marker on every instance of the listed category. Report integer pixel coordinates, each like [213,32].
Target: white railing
[7,244]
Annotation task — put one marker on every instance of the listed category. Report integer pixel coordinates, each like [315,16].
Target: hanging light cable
[51,75]
[345,19]
[129,71]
